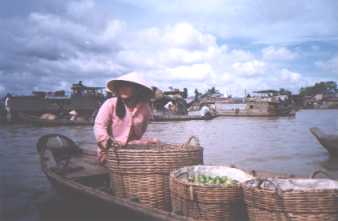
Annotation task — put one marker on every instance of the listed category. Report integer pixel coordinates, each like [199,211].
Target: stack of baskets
[276,199]
[142,171]
[208,201]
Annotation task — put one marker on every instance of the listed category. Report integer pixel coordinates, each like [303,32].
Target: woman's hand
[154,141]
[104,147]
[102,152]
[103,156]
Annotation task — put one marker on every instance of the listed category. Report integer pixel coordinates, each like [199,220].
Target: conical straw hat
[133,77]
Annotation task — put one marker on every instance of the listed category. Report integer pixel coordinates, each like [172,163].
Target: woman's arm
[103,121]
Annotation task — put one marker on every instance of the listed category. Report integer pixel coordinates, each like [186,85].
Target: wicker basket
[142,172]
[208,202]
[278,199]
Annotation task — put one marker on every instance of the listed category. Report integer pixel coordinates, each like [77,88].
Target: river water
[272,144]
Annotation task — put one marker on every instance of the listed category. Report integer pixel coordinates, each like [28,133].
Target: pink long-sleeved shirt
[130,128]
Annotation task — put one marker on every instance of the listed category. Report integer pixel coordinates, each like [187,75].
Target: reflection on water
[272,144]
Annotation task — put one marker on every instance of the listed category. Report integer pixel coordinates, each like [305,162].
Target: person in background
[168,106]
[48,116]
[205,111]
[123,119]
[73,115]
[213,109]
[8,108]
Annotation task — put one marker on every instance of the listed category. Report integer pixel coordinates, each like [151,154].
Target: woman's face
[125,90]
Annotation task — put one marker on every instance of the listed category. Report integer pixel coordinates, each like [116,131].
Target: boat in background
[85,100]
[256,108]
[37,121]
[328,141]
[264,104]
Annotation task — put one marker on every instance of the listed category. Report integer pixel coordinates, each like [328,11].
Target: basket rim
[178,148]
[256,188]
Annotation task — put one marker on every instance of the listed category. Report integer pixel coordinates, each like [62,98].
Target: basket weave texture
[276,204]
[142,171]
[206,202]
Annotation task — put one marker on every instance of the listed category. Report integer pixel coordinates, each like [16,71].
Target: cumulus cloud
[250,68]
[197,72]
[184,35]
[290,76]
[278,53]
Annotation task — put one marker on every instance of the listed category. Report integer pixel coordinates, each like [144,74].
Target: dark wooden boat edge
[155,214]
[73,186]
[329,142]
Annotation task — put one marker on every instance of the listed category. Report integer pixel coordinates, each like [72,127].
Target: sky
[236,46]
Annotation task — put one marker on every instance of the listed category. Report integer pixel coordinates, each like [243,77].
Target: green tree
[327,87]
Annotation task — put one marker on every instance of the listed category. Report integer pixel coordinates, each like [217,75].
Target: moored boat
[258,108]
[328,141]
[37,121]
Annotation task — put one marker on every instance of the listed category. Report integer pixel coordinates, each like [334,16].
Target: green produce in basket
[209,180]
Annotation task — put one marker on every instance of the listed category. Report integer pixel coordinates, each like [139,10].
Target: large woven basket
[279,199]
[208,202]
[142,172]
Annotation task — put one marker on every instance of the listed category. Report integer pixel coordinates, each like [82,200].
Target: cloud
[250,68]
[78,9]
[278,53]
[49,46]
[184,35]
[330,65]
[197,72]
[264,21]
[289,76]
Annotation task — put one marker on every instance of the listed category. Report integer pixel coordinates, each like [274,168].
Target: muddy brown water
[271,144]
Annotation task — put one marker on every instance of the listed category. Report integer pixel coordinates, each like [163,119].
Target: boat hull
[329,142]
[73,196]
[76,175]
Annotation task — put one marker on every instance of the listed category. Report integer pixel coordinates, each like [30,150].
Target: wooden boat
[160,118]
[75,173]
[256,107]
[34,120]
[328,141]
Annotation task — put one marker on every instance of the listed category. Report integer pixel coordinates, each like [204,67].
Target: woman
[123,119]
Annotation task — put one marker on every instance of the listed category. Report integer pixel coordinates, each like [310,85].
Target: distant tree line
[328,87]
